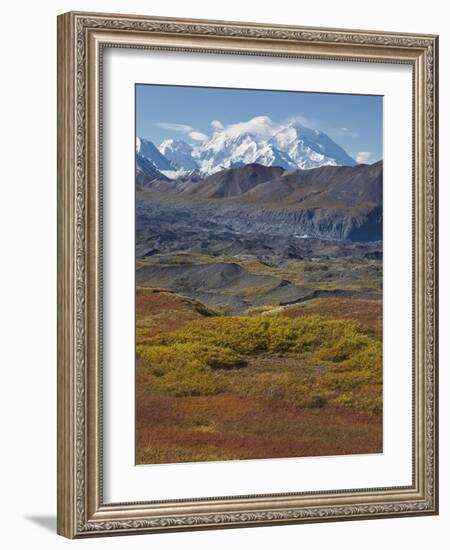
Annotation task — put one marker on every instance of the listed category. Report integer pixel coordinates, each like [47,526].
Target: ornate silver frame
[81,38]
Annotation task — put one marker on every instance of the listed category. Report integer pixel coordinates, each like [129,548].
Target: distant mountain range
[341,188]
[262,141]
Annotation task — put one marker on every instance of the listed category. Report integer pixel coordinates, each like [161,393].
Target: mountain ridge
[259,140]
[333,187]
[234,182]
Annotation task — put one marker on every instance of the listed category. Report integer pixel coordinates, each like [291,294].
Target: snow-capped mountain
[146,172]
[148,151]
[240,144]
[310,148]
[179,153]
[260,140]
[266,142]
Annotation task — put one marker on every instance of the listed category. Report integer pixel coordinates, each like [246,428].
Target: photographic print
[258,274]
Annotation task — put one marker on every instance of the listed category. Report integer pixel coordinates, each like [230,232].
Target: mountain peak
[234,182]
[170,142]
[149,151]
[179,154]
[262,140]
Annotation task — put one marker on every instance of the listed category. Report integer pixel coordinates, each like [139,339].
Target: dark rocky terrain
[331,202]
[260,236]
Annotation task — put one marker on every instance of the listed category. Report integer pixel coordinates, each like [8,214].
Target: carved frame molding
[81,39]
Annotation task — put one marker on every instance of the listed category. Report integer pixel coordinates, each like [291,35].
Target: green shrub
[357,382]
[183,369]
[191,379]
[345,346]
[200,358]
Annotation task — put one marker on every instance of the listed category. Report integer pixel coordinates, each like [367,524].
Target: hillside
[338,187]
[233,183]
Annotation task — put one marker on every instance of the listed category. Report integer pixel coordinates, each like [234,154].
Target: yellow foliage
[199,359]
[358,380]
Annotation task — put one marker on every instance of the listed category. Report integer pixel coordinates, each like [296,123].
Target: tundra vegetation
[272,382]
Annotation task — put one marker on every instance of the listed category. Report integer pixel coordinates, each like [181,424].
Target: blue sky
[355,122]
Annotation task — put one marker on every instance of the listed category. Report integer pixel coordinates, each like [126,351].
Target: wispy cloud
[363,157]
[304,121]
[197,136]
[262,126]
[175,127]
[217,125]
[183,129]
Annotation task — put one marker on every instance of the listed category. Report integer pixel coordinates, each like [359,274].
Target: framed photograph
[247,288]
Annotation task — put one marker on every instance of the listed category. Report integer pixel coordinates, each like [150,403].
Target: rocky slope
[324,203]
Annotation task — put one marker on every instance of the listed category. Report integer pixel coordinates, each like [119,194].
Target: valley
[258,313]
